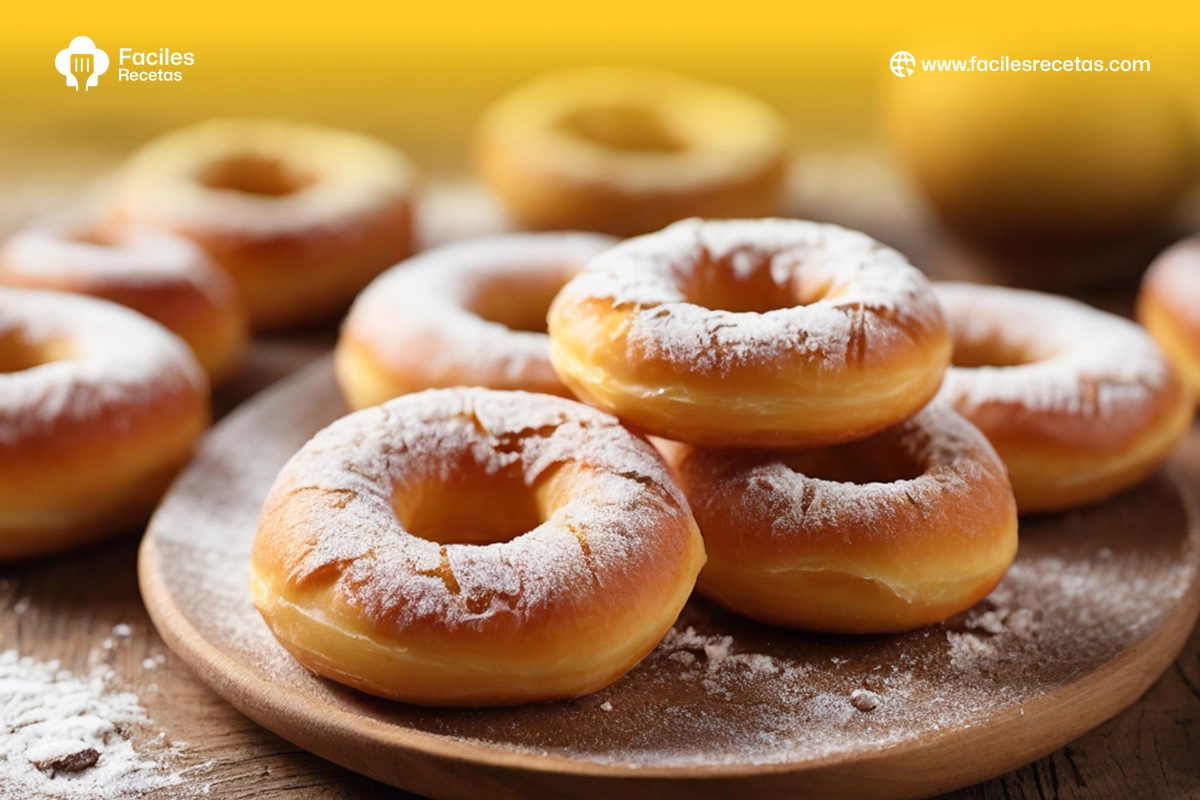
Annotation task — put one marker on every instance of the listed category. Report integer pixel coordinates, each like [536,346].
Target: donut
[301,217]
[1079,403]
[886,534]
[166,277]
[470,547]
[467,314]
[1169,306]
[762,333]
[628,151]
[99,407]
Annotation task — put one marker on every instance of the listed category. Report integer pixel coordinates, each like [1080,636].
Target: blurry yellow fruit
[1017,157]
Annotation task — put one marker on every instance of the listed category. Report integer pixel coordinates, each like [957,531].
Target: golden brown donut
[628,151]
[301,217]
[1079,403]
[1169,306]
[467,314]
[887,534]
[99,407]
[751,333]
[166,277]
[468,547]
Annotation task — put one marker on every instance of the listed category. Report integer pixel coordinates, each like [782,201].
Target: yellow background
[418,74]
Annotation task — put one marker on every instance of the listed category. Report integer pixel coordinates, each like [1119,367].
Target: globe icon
[902,64]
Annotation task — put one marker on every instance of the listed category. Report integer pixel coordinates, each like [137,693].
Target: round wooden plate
[1097,605]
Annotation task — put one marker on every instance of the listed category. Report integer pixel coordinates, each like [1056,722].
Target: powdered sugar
[422,318]
[762,508]
[718,690]
[853,298]
[72,736]
[123,257]
[359,468]
[1076,361]
[116,365]
[1174,282]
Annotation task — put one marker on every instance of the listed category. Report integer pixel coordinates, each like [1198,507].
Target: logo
[82,63]
[902,64]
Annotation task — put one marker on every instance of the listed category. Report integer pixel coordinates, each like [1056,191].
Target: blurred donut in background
[165,277]
[1169,306]
[301,217]
[628,151]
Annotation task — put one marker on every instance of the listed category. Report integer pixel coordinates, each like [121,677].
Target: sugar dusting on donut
[955,457]
[1082,362]
[872,294]
[1174,279]
[134,255]
[354,463]
[426,299]
[117,359]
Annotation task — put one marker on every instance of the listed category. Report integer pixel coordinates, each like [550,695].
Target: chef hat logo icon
[82,63]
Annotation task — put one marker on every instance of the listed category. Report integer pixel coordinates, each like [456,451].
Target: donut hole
[519,305]
[732,284]
[18,353]
[869,461]
[256,175]
[623,127]
[989,353]
[470,506]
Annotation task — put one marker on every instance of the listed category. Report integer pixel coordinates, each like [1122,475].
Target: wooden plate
[1097,605]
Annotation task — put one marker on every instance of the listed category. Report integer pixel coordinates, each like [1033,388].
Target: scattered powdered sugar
[718,690]
[72,736]
[866,298]
[1077,361]
[120,364]
[421,319]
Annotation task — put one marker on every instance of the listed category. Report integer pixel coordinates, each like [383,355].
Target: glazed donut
[467,314]
[763,333]
[1079,403]
[166,277]
[887,534]
[628,151]
[467,547]
[301,217]
[99,407]
[1169,306]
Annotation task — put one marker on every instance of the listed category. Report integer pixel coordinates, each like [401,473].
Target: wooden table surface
[66,608]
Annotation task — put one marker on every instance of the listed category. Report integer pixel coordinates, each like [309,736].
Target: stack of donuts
[784,415]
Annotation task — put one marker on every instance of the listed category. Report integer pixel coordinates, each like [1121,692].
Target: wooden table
[66,608]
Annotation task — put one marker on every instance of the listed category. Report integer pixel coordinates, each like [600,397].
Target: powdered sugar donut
[763,333]
[467,314]
[99,407]
[1079,403]
[627,151]
[1169,307]
[164,276]
[467,547]
[301,217]
[890,533]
